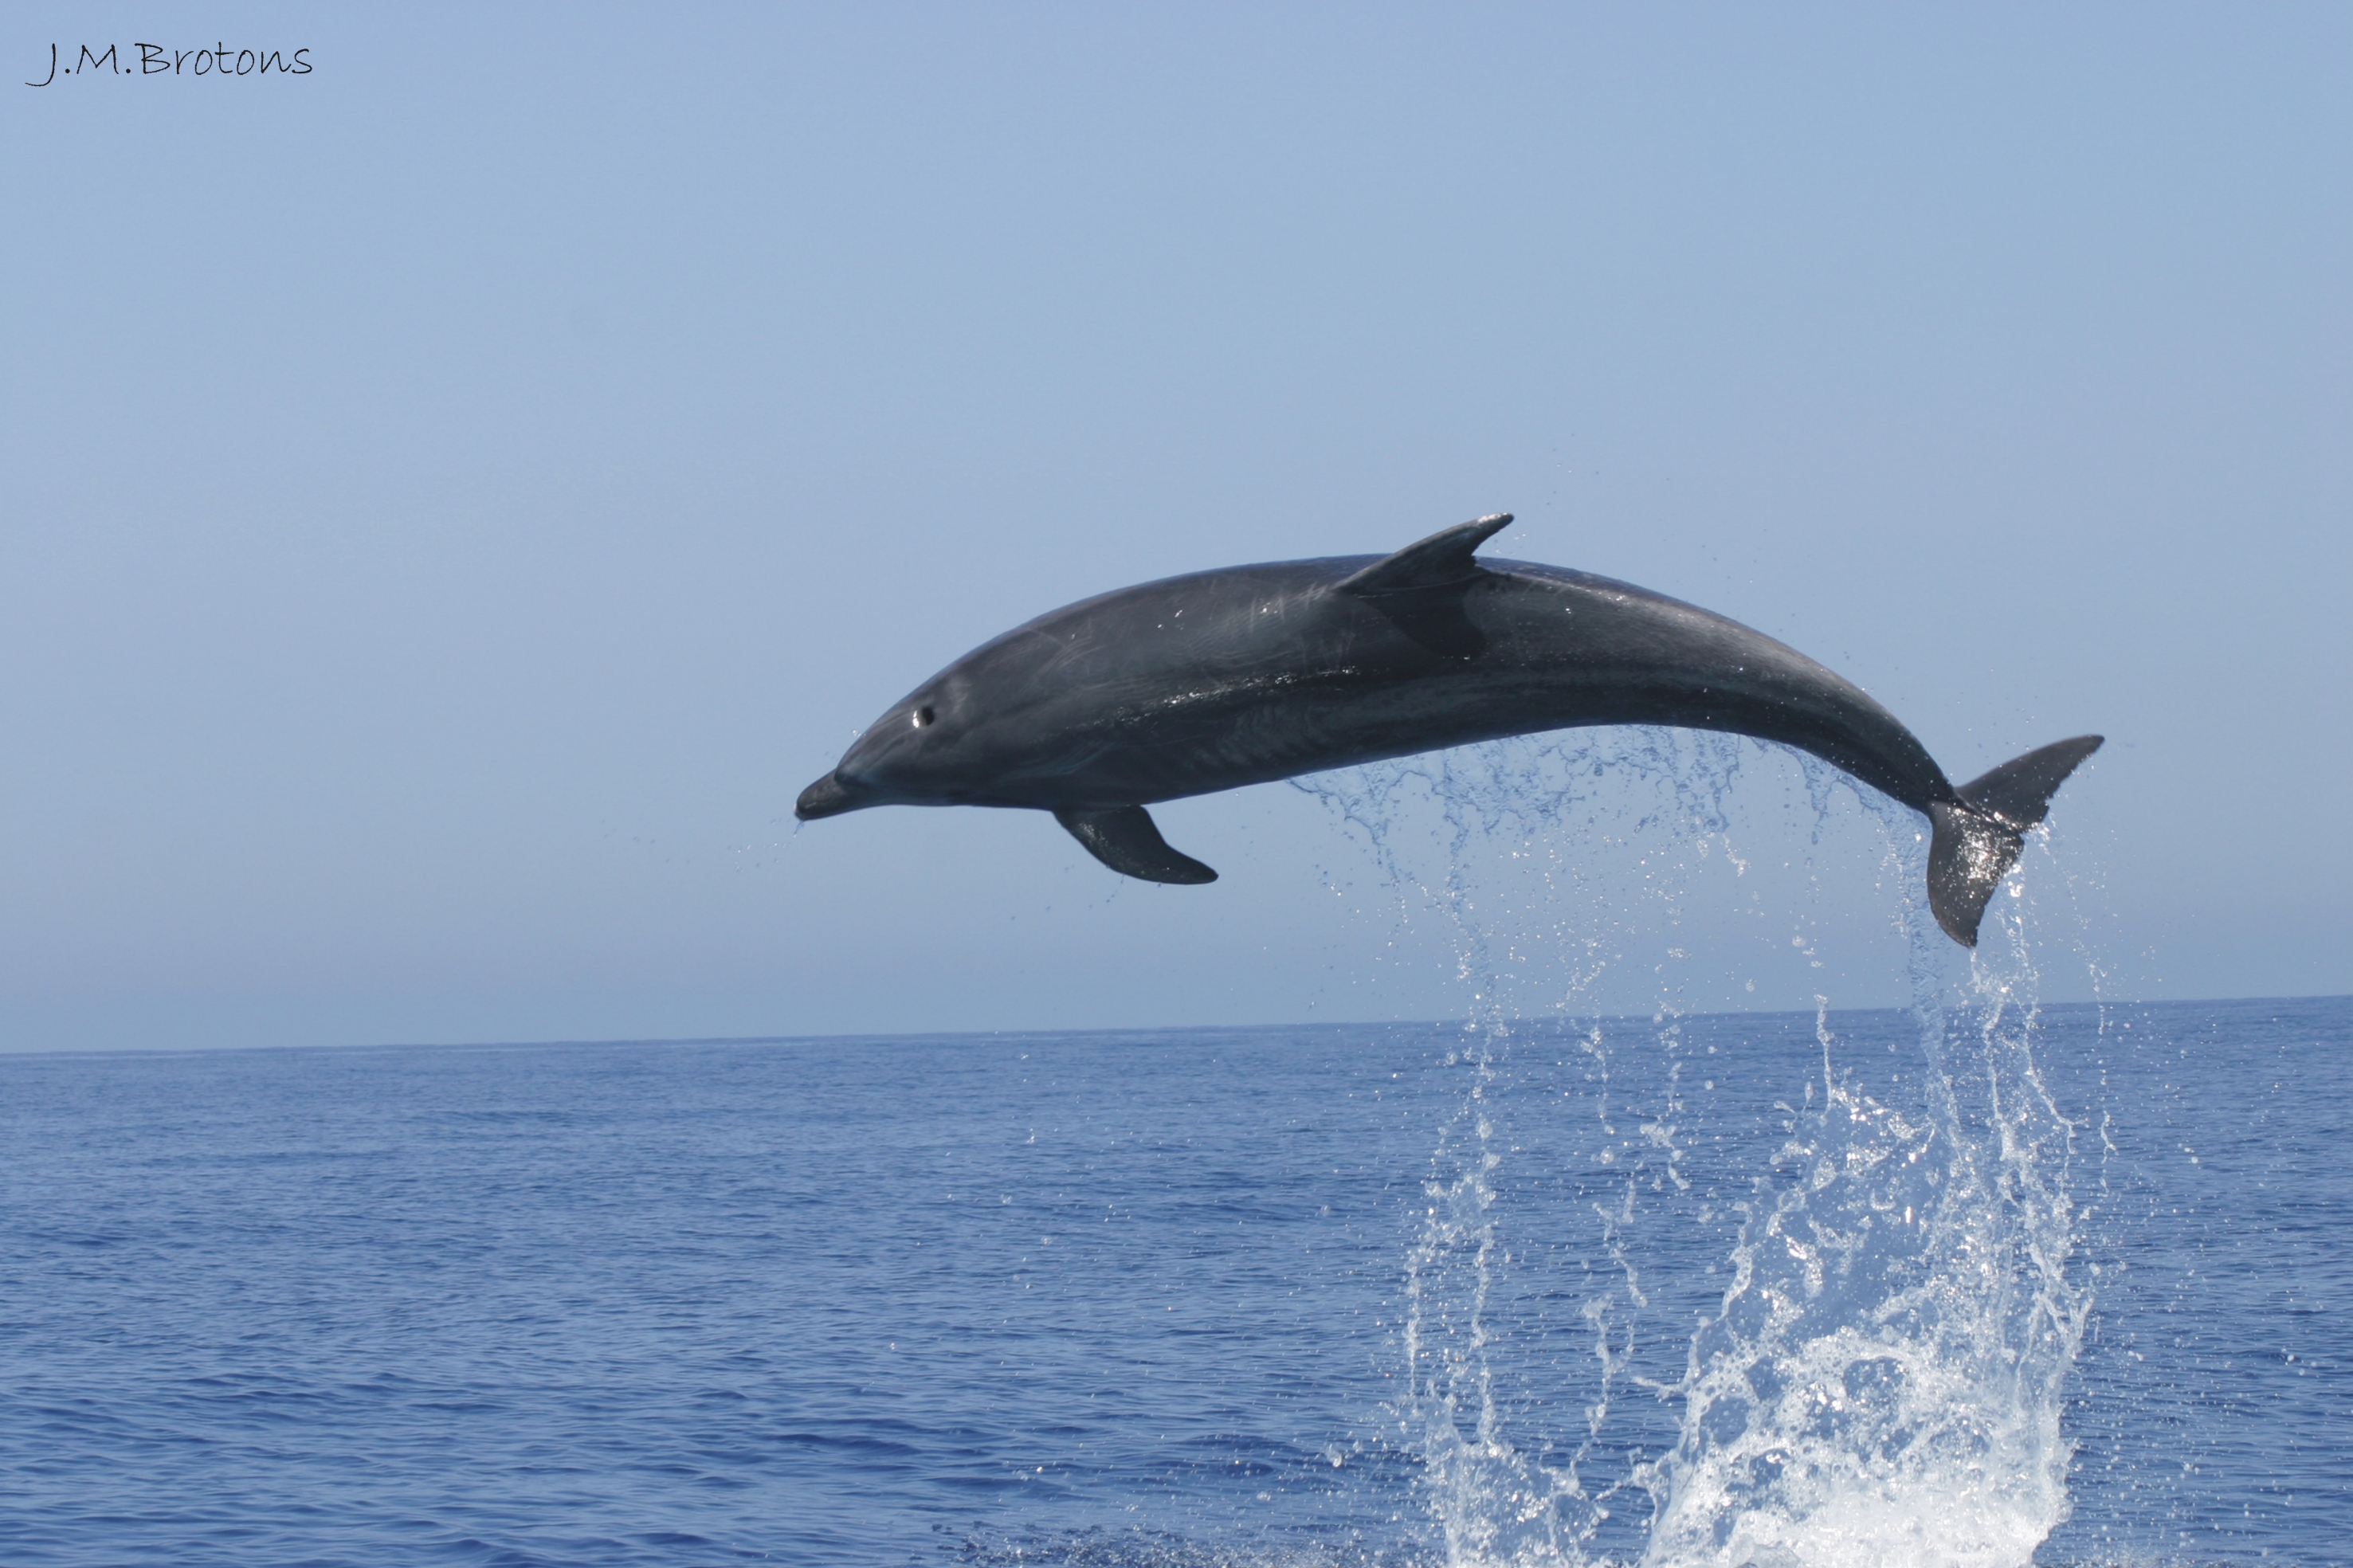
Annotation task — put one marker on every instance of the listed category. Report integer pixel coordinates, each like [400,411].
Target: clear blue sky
[457,497]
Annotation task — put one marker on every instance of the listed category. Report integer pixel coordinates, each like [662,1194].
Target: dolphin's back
[1223,678]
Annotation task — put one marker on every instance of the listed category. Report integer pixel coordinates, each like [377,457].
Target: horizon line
[1128,1029]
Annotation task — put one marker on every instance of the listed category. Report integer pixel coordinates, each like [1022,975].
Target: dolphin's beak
[826,797]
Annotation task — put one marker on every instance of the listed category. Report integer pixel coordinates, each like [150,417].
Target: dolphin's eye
[924,715]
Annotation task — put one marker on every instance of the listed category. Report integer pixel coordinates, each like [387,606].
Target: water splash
[1883,1384]
[1881,1381]
[1493,1502]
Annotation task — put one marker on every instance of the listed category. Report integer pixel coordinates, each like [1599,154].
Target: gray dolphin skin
[1241,676]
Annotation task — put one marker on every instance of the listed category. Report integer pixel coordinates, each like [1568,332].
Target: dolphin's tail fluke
[1977,836]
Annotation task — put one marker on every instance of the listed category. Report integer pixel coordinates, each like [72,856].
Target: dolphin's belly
[1317,731]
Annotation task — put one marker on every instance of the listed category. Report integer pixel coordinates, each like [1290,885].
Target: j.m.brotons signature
[155,59]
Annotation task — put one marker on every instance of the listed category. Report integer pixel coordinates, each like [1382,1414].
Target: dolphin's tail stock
[1979,835]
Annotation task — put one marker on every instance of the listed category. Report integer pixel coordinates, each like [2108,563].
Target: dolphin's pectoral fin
[1125,839]
[1978,837]
[1438,562]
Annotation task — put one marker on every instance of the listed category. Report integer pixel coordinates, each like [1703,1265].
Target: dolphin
[1248,674]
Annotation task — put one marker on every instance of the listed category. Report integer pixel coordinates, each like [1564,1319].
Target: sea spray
[1528,944]
[1883,1383]
[1882,1378]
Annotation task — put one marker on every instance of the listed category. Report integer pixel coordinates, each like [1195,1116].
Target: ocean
[2073,1284]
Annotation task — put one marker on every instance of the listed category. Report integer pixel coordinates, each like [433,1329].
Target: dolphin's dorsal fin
[1125,839]
[1438,562]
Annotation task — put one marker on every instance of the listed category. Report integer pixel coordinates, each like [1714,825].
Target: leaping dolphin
[1241,676]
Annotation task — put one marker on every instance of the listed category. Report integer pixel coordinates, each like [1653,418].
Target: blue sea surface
[1156,1297]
